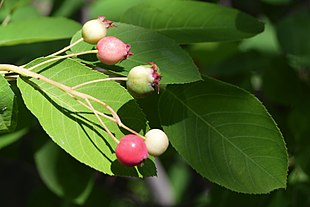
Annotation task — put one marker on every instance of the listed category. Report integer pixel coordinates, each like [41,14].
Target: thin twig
[98,112]
[101,122]
[66,48]
[131,130]
[73,93]
[100,80]
[65,88]
[62,57]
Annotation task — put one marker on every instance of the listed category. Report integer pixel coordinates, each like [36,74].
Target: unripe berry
[131,150]
[112,50]
[96,29]
[156,142]
[143,80]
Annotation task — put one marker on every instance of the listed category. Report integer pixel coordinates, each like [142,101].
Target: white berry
[156,142]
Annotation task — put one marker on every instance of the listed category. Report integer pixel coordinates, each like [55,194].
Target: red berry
[131,150]
[112,50]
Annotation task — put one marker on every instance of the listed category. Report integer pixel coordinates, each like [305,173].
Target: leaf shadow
[146,169]
[131,117]
[46,67]
[68,171]
[83,122]
[111,68]
[130,110]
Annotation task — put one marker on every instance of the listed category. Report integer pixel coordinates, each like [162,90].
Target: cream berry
[156,142]
[96,29]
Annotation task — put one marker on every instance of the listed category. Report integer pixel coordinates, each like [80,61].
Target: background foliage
[273,65]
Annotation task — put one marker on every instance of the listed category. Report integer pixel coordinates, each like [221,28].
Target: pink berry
[96,29]
[112,50]
[131,150]
[143,80]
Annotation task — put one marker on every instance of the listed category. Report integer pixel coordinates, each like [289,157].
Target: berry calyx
[96,29]
[131,150]
[156,142]
[112,50]
[143,80]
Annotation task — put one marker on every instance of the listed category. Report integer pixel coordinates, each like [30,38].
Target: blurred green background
[274,65]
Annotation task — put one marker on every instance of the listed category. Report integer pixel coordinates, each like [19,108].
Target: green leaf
[64,175]
[112,9]
[176,66]
[226,135]
[25,12]
[266,42]
[8,8]
[18,12]
[68,7]
[7,109]
[71,125]
[192,21]
[7,139]
[37,30]
[188,21]
[293,37]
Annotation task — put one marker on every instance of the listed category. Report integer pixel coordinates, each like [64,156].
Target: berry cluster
[132,149]
[142,79]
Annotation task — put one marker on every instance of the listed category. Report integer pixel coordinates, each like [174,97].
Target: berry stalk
[75,94]
[66,48]
[63,57]
[100,80]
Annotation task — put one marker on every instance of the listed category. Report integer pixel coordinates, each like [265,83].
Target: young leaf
[176,66]
[7,109]
[63,175]
[37,30]
[225,134]
[71,125]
